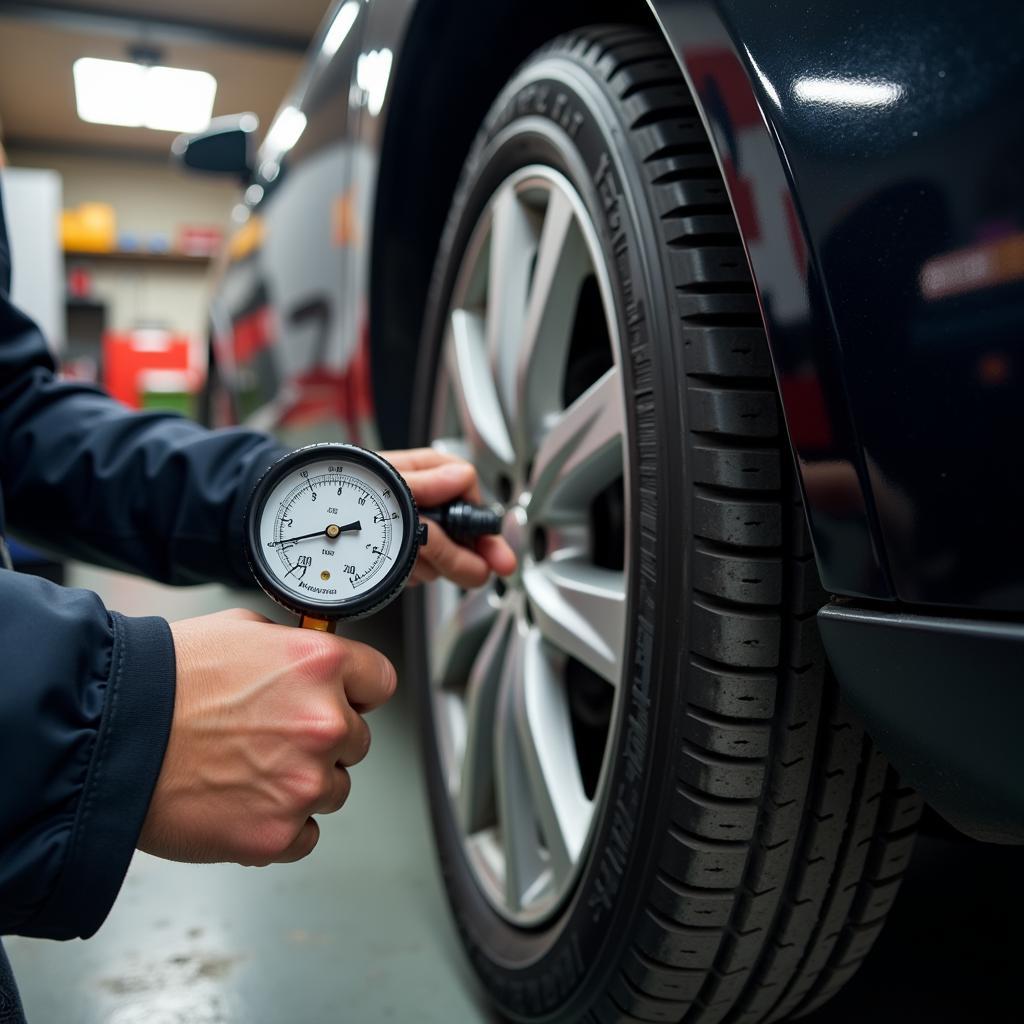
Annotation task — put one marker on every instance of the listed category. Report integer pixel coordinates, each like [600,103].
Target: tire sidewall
[555,112]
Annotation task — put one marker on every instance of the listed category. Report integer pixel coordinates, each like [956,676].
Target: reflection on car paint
[974,268]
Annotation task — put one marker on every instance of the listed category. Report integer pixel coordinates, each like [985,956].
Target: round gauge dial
[332,531]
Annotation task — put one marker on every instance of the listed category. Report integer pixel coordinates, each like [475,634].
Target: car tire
[748,839]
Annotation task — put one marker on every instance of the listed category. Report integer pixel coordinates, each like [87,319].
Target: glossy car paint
[895,132]
[873,156]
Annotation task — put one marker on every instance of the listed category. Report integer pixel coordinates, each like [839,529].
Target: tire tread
[779,791]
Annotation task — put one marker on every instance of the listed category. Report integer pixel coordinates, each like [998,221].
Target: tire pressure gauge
[332,532]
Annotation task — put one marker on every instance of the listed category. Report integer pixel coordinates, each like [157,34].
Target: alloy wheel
[525,674]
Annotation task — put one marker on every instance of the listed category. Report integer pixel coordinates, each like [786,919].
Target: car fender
[872,155]
[738,106]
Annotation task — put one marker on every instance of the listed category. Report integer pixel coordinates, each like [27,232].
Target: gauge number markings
[340,482]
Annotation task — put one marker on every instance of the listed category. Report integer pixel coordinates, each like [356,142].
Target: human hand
[267,719]
[436,478]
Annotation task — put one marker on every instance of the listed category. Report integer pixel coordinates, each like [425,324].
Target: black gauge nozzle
[465,522]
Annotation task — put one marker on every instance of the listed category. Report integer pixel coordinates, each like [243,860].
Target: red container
[128,355]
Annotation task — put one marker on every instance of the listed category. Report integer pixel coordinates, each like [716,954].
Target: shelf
[167,259]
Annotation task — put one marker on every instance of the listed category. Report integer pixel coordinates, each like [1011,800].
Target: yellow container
[92,227]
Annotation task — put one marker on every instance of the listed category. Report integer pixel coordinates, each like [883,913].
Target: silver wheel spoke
[516,817]
[581,609]
[582,452]
[479,411]
[476,782]
[512,244]
[546,740]
[440,602]
[458,632]
[563,263]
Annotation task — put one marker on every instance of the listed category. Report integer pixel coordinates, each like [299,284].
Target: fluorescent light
[340,27]
[372,73]
[136,96]
[177,100]
[109,91]
[848,92]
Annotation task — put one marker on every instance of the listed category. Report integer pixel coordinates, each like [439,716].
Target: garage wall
[148,196]
[32,199]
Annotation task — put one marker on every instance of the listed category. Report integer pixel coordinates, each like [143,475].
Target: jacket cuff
[126,762]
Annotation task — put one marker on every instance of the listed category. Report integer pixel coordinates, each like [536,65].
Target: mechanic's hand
[266,720]
[436,478]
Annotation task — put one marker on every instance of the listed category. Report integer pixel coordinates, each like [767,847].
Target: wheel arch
[745,113]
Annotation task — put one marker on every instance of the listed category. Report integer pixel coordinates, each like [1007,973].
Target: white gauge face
[330,531]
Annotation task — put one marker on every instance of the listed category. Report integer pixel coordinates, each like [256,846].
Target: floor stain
[177,971]
[216,967]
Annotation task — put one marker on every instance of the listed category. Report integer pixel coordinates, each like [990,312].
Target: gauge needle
[293,540]
[331,531]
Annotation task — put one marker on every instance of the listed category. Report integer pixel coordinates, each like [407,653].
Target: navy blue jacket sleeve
[87,695]
[81,474]
[86,699]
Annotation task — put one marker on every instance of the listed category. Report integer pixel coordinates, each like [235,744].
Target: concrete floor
[359,932]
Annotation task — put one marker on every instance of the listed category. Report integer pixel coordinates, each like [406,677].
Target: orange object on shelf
[130,355]
[91,227]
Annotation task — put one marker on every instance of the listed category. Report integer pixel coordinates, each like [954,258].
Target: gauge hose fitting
[463,521]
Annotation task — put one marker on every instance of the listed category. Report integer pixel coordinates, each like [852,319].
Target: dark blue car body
[873,153]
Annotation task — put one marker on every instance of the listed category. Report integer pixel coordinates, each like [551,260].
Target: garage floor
[359,933]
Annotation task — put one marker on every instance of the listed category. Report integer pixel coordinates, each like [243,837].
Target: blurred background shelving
[132,256]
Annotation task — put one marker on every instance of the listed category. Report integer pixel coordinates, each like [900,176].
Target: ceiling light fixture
[139,96]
